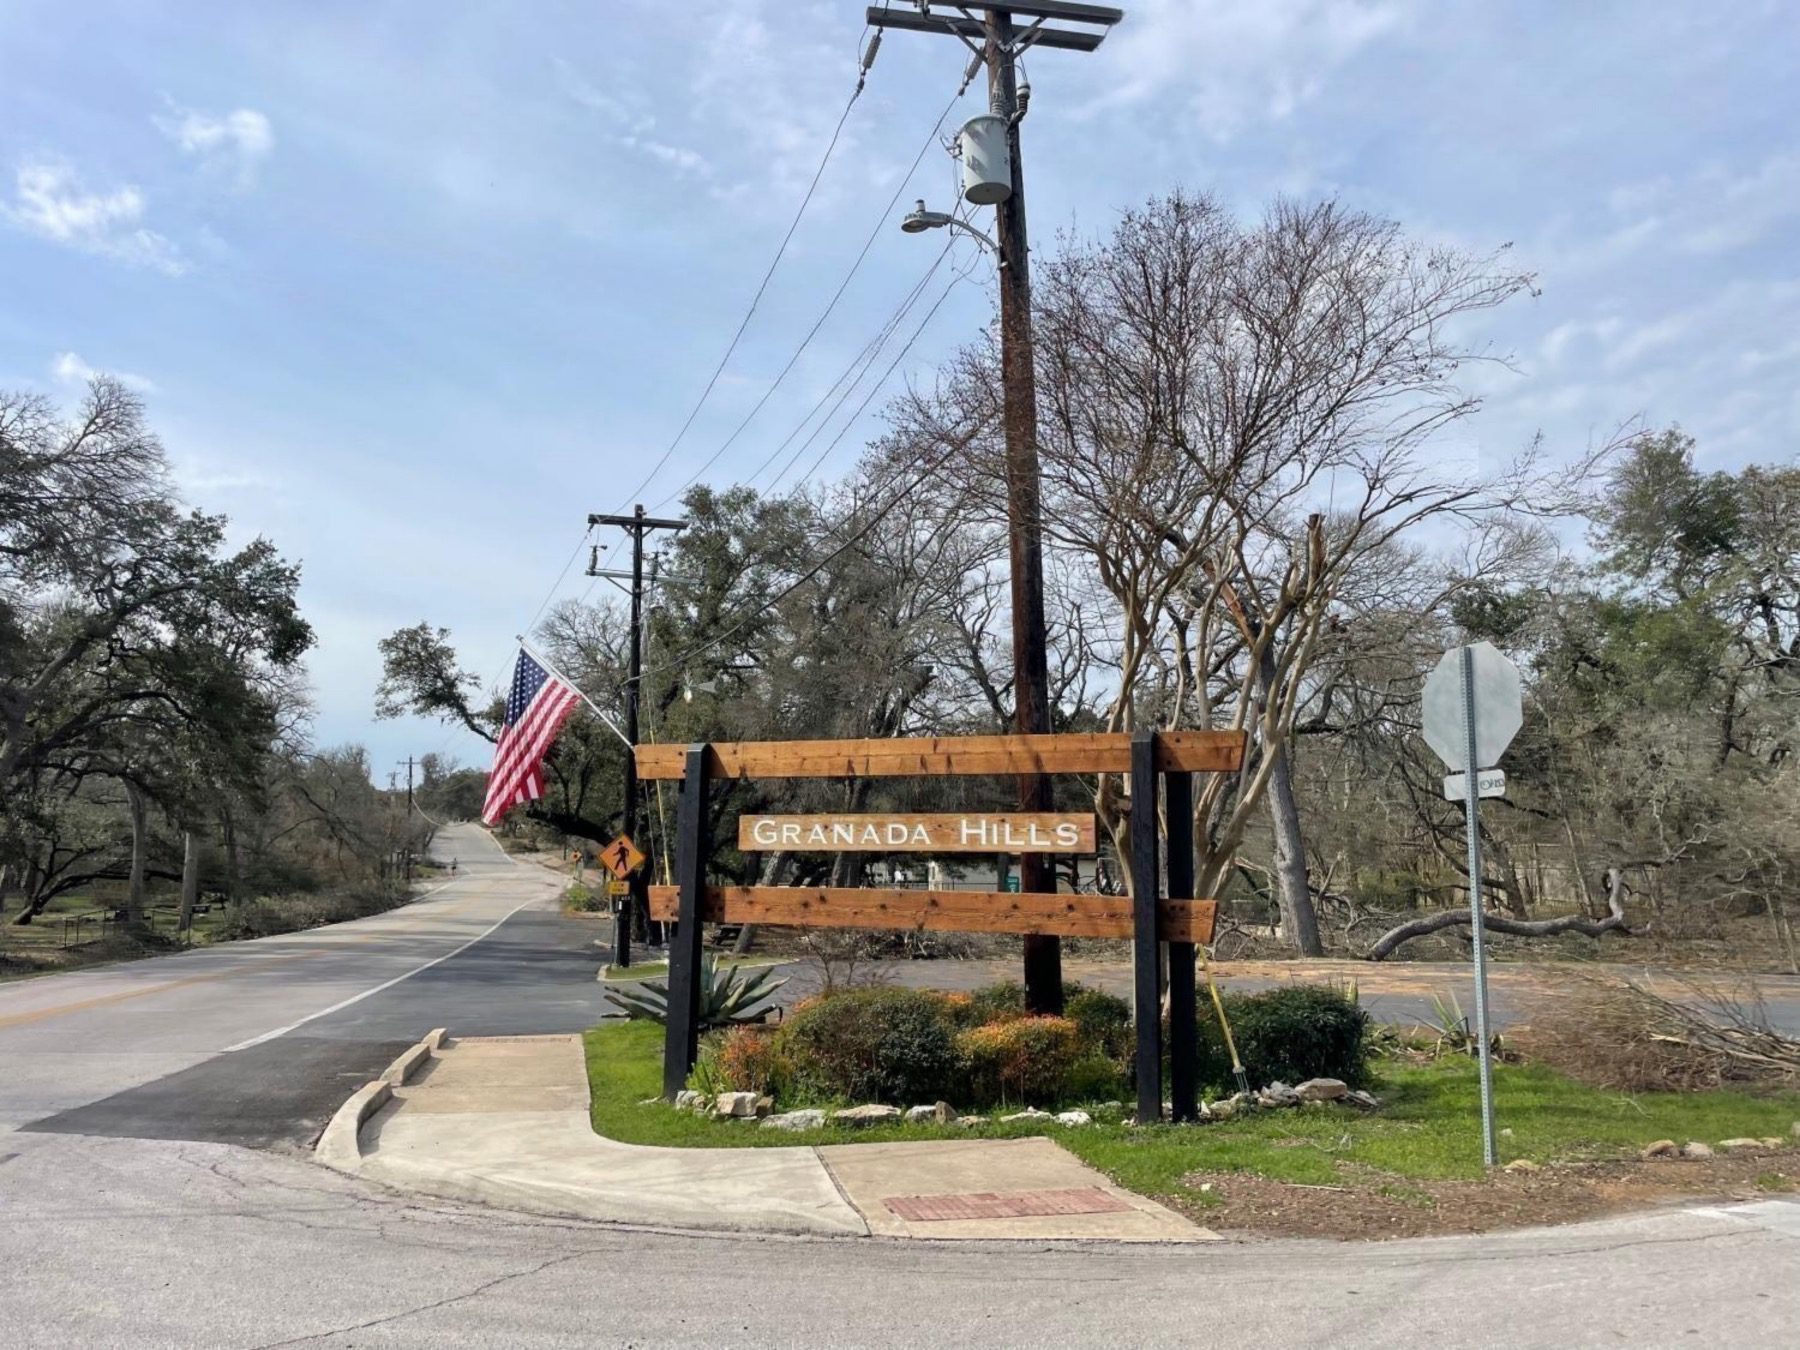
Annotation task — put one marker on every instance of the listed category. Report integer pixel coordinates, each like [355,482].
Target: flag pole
[593,707]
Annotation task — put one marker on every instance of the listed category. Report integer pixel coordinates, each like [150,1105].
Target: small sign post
[1472,710]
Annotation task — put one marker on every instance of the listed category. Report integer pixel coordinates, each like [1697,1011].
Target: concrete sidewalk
[504,1121]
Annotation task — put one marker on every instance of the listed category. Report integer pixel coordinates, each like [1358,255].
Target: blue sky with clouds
[412,288]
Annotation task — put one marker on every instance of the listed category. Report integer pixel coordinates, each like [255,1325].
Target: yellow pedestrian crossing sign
[622,857]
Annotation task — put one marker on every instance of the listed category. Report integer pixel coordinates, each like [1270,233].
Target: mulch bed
[1373,1205]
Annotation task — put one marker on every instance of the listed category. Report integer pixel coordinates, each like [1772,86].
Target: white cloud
[631,126]
[237,142]
[69,368]
[51,203]
[1237,62]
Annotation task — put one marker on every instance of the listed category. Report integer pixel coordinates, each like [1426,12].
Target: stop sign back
[1499,707]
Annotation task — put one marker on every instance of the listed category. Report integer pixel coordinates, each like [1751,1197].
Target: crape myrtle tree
[1236,422]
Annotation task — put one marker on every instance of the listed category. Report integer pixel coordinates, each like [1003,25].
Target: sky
[411,289]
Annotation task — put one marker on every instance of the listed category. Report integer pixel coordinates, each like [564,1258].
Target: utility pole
[997,43]
[636,909]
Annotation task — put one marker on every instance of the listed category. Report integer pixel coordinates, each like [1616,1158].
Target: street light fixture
[919,220]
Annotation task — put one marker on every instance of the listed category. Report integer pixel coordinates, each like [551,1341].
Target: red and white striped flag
[535,711]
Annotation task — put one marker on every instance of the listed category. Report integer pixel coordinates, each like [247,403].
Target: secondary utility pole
[1000,45]
[636,909]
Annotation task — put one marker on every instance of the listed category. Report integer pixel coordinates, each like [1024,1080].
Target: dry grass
[1625,1037]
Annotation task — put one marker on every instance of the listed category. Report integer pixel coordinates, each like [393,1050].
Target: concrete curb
[339,1148]
[396,1074]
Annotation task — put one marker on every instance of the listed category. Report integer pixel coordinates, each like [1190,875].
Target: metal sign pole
[1477,925]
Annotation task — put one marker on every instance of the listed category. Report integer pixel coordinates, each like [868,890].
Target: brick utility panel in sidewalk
[995,1188]
[1012,1205]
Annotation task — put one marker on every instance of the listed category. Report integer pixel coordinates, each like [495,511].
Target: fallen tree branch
[1614,922]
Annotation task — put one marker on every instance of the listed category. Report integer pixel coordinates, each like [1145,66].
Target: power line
[881,222]
[874,389]
[756,299]
[853,373]
[678,660]
[551,593]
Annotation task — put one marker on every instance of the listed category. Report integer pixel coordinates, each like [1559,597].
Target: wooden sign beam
[1099,916]
[952,832]
[938,756]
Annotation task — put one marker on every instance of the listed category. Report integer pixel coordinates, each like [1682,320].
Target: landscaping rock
[689,1100]
[918,1114]
[1278,1095]
[1771,1143]
[943,1113]
[1322,1089]
[1367,1101]
[871,1114]
[1029,1113]
[1733,1145]
[969,1122]
[1217,1110]
[1695,1149]
[1795,1131]
[764,1105]
[1521,1165]
[1662,1148]
[808,1119]
[735,1104]
[1074,1118]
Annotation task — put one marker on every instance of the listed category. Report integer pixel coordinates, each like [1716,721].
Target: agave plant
[727,994]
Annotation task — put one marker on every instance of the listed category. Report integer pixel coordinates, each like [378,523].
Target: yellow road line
[124,995]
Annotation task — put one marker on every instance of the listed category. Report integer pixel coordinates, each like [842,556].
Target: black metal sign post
[682,1045]
[1184,1045]
[1145,956]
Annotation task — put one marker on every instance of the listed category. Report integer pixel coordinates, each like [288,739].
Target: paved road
[153,1191]
[258,1043]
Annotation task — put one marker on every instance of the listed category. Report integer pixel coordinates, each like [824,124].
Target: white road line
[358,998]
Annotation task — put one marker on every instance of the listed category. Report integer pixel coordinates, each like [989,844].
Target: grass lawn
[1426,1129]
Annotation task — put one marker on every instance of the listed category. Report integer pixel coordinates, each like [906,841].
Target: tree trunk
[135,889]
[774,868]
[190,878]
[234,865]
[1614,922]
[1299,919]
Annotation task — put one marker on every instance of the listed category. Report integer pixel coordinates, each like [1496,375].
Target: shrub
[1103,1019]
[1289,1034]
[1095,1078]
[892,1045]
[1002,1002]
[1026,1059]
[581,900]
[746,1059]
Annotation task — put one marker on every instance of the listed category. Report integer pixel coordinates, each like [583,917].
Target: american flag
[535,711]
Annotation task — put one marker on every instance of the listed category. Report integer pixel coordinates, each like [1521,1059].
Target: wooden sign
[960,832]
